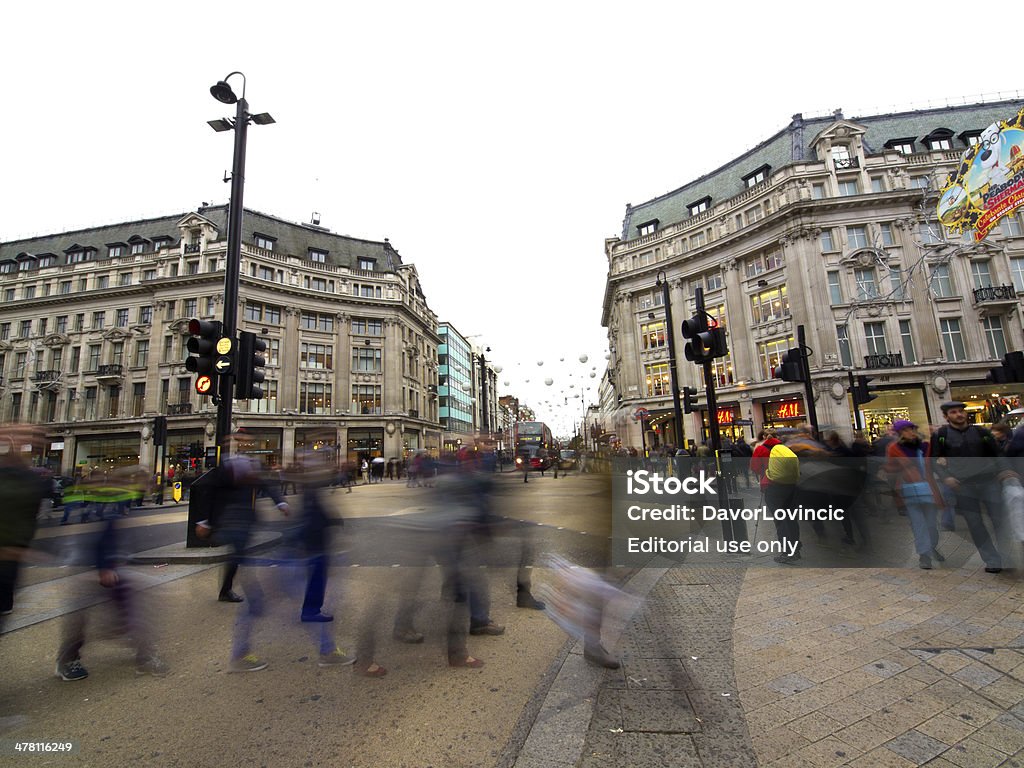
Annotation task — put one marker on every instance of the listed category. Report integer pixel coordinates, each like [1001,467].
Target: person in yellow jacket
[782,476]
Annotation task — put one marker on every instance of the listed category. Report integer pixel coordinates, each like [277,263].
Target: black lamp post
[485,422]
[222,92]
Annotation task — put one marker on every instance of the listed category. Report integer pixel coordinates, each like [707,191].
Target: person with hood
[908,461]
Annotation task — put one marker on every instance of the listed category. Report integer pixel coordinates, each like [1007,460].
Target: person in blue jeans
[908,459]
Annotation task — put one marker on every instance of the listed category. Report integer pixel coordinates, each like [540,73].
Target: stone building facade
[830,224]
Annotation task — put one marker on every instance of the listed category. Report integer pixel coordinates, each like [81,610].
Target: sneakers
[490,628]
[151,666]
[230,597]
[72,670]
[319,617]
[336,658]
[526,600]
[248,663]
[410,636]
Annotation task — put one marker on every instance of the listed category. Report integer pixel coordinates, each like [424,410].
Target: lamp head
[222,92]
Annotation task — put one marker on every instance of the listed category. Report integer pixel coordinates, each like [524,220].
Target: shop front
[264,445]
[779,414]
[988,403]
[730,425]
[890,404]
[365,443]
[101,454]
[318,446]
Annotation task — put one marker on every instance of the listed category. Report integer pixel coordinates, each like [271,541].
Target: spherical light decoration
[561,359]
[583,358]
[498,369]
[607,357]
[592,374]
[540,362]
[504,383]
[549,382]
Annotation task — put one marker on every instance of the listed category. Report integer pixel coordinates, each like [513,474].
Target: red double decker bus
[533,444]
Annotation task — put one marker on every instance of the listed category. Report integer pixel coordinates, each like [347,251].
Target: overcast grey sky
[495,145]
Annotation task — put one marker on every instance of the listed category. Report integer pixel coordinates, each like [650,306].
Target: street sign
[223,365]
[177,491]
[642,413]
[224,345]
[203,384]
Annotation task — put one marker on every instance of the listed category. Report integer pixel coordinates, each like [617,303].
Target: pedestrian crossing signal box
[212,457]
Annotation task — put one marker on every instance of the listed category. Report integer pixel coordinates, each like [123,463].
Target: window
[848,187]
[366,399]
[79,321]
[367,327]
[754,214]
[42,325]
[145,315]
[877,184]
[102,282]
[367,291]
[211,305]
[1017,273]
[56,359]
[149,274]
[117,353]
[192,268]
[840,157]
[121,318]
[769,305]
[26,329]
[874,338]
[857,237]
[125,278]
[272,314]
[940,282]
[658,380]
[818,191]
[366,359]
[1011,226]
[262,273]
[20,360]
[253,312]
[83,284]
[920,182]
[169,308]
[315,398]
[770,354]
[980,274]
[47,261]
[189,307]
[318,356]
[713,281]
[5,331]
[903,146]
[62,324]
[929,233]
[114,251]
[886,230]
[826,241]
[8,294]
[939,143]
[763,262]
[652,335]
[69,405]
[138,398]
[268,404]
[952,339]
[650,299]
[65,287]
[756,177]
[318,284]
[93,359]
[995,339]
[867,286]
[843,341]
[29,292]
[141,353]
[897,291]
[906,337]
[263,241]
[317,255]
[168,349]
[76,359]
[273,351]
[16,406]
[700,206]
[138,247]
[835,291]
[649,228]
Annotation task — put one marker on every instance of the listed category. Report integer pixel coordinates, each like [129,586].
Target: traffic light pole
[812,413]
[856,405]
[679,432]
[232,269]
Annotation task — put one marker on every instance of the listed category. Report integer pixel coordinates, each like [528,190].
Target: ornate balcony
[179,409]
[889,360]
[110,375]
[47,379]
[845,163]
[995,299]
[191,248]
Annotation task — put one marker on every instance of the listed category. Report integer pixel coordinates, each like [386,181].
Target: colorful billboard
[989,182]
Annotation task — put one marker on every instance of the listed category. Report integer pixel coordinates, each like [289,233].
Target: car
[567,459]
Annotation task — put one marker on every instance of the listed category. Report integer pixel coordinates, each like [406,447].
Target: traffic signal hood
[862,391]
[706,340]
[689,400]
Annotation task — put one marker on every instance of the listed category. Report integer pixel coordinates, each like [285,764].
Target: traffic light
[1012,369]
[720,344]
[700,346]
[250,374]
[689,399]
[862,392]
[203,353]
[791,365]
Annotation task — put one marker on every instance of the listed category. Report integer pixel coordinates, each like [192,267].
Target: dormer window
[76,254]
[648,227]
[903,146]
[367,265]
[160,242]
[970,138]
[756,176]
[841,159]
[939,139]
[266,242]
[317,255]
[114,250]
[48,260]
[7,267]
[699,206]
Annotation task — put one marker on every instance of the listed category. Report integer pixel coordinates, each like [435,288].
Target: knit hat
[900,424]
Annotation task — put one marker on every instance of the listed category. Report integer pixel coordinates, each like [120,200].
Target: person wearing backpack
[969,462]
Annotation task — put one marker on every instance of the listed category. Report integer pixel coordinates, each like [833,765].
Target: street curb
[178,553]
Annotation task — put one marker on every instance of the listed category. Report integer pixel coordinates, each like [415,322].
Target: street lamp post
[677,411]
[485,422]
[222,92]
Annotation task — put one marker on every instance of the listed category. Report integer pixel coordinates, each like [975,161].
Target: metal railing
[111,369]
[886,360]
[179,409]
[995,293]
[845,163]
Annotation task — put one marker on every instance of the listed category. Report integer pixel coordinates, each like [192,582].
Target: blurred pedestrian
[23,490]
[909,460]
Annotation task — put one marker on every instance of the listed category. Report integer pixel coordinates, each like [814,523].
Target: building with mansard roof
[93,325]
[830,224]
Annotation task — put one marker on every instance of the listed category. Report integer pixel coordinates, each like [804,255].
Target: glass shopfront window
[365,443]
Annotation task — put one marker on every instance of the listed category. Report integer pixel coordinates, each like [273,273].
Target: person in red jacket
[766,440]
[908,461]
